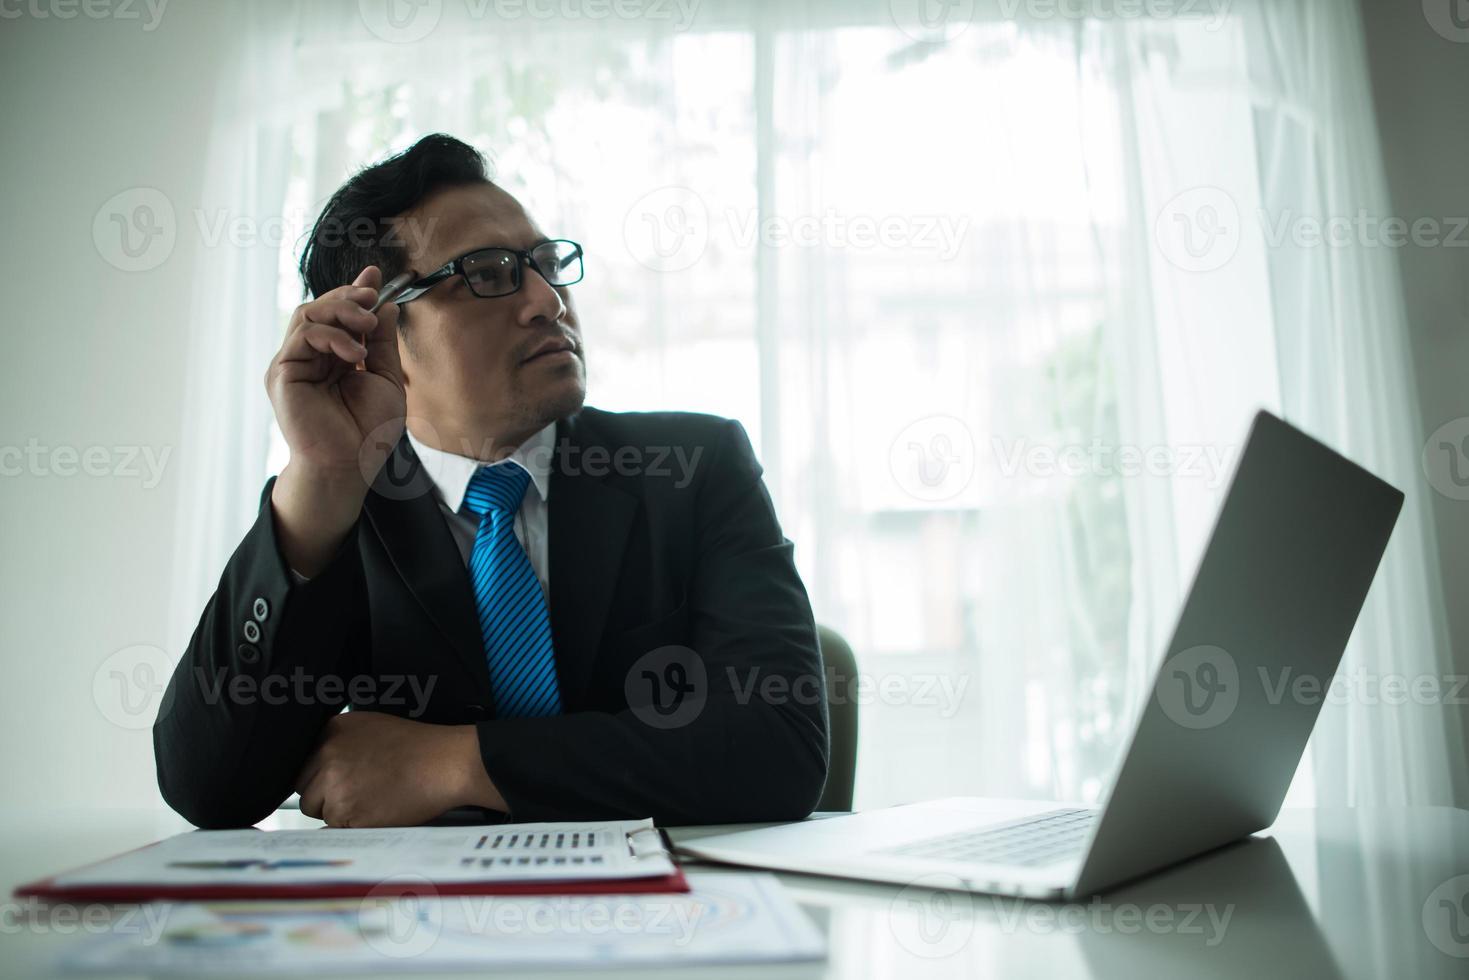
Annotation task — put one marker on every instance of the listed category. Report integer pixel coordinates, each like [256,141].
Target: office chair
[841,677]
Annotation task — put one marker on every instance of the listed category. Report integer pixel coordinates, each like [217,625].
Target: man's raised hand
[337,388]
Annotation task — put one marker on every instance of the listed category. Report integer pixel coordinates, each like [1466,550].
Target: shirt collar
[451,473]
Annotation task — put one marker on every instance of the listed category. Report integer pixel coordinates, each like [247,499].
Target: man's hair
[355,228]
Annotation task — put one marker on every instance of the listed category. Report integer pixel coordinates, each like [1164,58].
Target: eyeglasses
[493,272]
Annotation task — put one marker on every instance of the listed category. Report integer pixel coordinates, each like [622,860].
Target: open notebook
[506,859]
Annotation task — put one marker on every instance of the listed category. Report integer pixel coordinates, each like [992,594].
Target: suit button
[252,631]
[261,609]
[247,653]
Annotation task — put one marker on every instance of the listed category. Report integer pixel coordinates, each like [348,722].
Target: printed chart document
[726,918]
[251,862]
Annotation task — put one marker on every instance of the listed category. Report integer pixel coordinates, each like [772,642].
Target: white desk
[1330,893]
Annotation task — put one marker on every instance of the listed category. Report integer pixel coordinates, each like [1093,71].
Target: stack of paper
[727,918]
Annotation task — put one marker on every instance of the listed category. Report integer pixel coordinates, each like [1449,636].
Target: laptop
[1262,630]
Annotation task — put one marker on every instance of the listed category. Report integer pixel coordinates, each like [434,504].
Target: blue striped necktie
[513,619]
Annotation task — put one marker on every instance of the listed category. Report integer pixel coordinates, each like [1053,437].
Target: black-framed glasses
[494,272]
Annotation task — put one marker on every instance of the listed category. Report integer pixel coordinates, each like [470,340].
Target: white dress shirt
[450,474]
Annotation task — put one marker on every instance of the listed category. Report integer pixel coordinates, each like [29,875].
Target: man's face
[477,368]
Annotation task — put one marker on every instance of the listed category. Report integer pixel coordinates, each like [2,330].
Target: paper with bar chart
[605,850]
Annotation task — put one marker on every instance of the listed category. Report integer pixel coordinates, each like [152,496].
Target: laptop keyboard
[1030,841]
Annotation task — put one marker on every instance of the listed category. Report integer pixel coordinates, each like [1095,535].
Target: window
[903,265]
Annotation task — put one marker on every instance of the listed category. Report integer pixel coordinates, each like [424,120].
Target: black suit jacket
[685,647]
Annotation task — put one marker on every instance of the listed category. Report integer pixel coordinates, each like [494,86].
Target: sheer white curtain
[952,280]
[1393,733]
[226,432]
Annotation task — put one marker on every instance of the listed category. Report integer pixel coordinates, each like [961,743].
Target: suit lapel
[589,522]
[404,511]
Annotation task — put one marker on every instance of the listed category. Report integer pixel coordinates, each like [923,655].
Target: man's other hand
[377,770]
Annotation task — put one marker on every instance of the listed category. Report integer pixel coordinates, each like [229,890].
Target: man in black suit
[533,607]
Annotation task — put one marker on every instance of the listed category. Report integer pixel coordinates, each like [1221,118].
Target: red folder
[47,890]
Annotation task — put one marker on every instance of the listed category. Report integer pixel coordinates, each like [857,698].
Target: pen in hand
[391,290]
